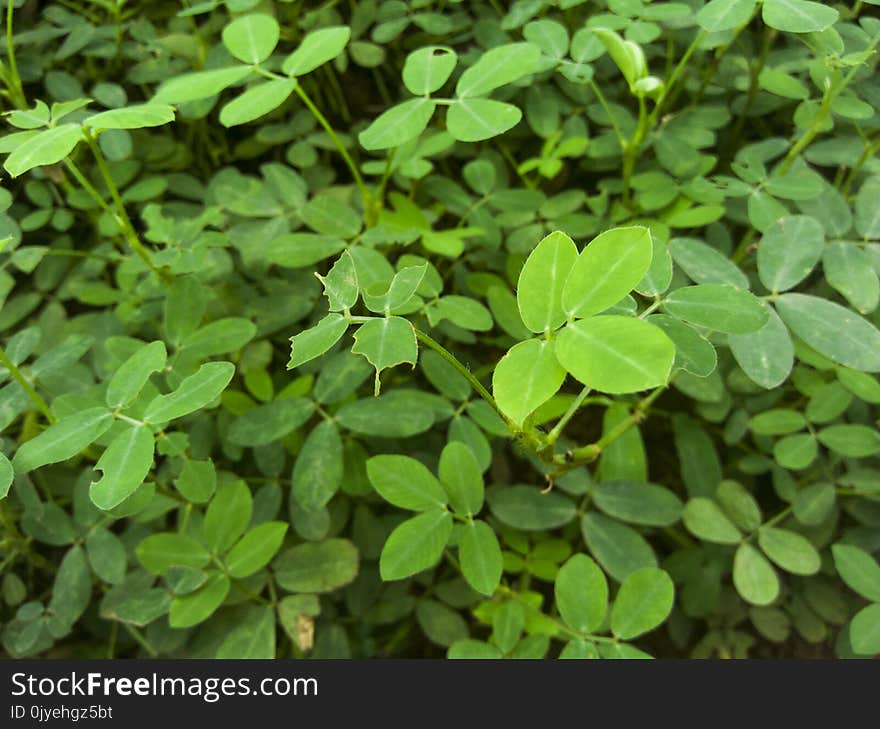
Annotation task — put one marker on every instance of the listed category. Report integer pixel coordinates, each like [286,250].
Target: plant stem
[26,386]
[16,92]
[554,434]
[464,371]
[670,83]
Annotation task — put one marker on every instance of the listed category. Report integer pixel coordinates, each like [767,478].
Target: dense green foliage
[416,329]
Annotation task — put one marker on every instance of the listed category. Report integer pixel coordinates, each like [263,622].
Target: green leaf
[498,66]
[789,250]
[607,270]
[864,631]
[219,337]
[615,354]
[719,15]
[315,49]
[386,342]
[777,422]
[257,101]
[705,520]
[798,16]
[753,576]
[643,602]
[131,376]
[317,340]
[125,464]
[316,567]
[45,148]
[765,355]
[427,69]
[255,549]
[638,503]
[441,624]
[198,606]
[227,516]
[480,557]
[796,452]
[137,116]
[473,120]
[72,588]
[406,483]
[251,38]
[159,552]
[852,441]
[790,550]
[469,649]
[199,85]
[253,637]
[539,288]
[867,213]
[739,504]
[693,352]
[858,569]
[399,292]
[813,503]
[619,548]
[6,475]
[415,545]
[525,378]
[462,479]
[107,555]
[197,481]
[398,125]
[392,415]
[705,265]
[341,284]
[527,508]
[832,330]
[317,473]
[63,440]
[848,269]
[627,55]
[718,307]
[581,592]
[194,392]
[268,423]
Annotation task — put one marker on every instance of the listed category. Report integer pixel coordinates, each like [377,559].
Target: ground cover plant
[423,329]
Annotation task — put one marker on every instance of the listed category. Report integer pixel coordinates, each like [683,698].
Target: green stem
[631,150]
[26,386]
[16,91]
[604,104]
[670,83]
[554,434]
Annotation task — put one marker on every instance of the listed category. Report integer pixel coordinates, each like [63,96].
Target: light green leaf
[851,440]
[790,550]
[777,421]
[480,557]
[473,120]
[221,336]
[6,475]
[398,125]
[848,269]
[405,482]
[399,292]
[197,481]
[132,375]
[719,15]
[199,85]
[137,116]
[227,516]
[581,592]
[252,638]
[607,270]
[317,472]
[158,552]
[796,452]
[718,307]
[693,352]
[615,354]
[753,576]
[864,631]
[386,342]
[789,250]
[125,464]
[257,101]
[195,392]
[255,549]
[415,545]
[316,567]
[315,49]
[498,66]
[462,478]
[198,606]
[540,284]
[832,330]
[858,569]
[251,38]
[427,69]
[629,56]
[107,555]
[765,355]
[396,414]
[705,265]
[798,16]
[705,520]
[62,440]
[527,508]
[525,378]
[867,217]
[45,148]
[643,602]
[341,283]
[317,340]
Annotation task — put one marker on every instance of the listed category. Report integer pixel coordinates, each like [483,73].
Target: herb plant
[400,328]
